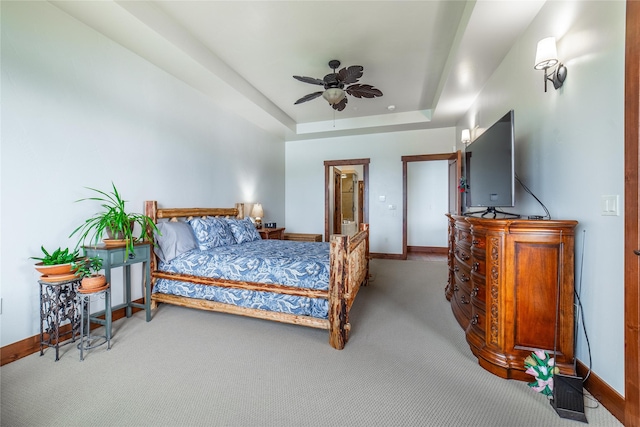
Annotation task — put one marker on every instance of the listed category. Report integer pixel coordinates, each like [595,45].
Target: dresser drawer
[478,266]
[463,234]
[463,255]
[478,319]
[477,291]
[463,275]
[462,300]
[479,241]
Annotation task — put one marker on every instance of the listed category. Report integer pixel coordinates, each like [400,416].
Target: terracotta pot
[93,282]
[54,270]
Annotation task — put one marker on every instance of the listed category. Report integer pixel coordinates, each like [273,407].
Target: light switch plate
[609,205]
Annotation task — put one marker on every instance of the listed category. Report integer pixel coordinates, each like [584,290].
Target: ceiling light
[333,95]
[391,107]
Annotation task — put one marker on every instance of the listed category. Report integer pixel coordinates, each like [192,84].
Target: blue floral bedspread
[291,263]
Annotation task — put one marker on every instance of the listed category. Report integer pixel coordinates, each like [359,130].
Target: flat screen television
[489,169]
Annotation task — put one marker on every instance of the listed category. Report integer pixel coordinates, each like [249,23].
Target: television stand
[492,210]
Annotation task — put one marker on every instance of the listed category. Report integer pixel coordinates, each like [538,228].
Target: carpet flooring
[406,364]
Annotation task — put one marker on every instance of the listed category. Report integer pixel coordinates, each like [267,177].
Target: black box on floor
[568,398]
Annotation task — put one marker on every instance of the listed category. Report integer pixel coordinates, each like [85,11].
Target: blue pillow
[243,230]
[211,232]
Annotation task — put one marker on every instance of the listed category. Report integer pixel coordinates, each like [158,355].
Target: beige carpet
[406,364]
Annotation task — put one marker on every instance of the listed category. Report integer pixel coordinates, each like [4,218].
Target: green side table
[114,257]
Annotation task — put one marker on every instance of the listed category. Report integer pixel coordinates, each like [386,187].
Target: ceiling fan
[334,86]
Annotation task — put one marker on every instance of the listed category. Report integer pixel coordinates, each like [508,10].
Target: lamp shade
[333,95]
[257,211]
[546,54]
[466,136]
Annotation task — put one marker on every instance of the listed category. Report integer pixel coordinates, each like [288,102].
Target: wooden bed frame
[349,269]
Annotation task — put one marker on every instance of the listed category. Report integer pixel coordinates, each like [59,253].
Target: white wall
[569,152]
[427,203]
[79,110]
[305,179]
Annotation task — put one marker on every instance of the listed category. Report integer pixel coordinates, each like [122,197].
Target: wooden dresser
[504,279]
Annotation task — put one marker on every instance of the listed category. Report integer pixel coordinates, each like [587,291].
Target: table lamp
[257,213]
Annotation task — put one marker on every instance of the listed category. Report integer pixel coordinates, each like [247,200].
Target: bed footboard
[349,270]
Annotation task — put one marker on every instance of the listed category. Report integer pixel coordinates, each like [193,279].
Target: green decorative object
[114,221]
[57,257]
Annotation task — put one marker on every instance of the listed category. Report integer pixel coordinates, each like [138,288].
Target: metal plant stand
[58,305]
[88,341]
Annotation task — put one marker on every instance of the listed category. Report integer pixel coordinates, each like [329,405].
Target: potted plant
[89,272]
[114,221]
[56,263]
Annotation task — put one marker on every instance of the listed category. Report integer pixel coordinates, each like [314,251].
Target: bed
[311,284]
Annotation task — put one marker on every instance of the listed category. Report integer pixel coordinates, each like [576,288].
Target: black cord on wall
[547,216]
[581,310]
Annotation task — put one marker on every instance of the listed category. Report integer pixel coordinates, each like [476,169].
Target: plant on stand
[89,272]
[56,263]
[114,221]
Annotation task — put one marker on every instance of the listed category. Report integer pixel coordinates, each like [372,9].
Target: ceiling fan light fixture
[333,95]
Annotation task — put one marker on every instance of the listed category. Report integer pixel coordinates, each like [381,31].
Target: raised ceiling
[429,58]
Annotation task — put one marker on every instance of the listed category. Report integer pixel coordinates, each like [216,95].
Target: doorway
[454,174]
[346,188]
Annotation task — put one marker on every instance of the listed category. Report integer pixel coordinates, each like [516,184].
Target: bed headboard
[172,214]
[152,211]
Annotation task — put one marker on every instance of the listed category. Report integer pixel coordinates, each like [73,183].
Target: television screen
[489,167]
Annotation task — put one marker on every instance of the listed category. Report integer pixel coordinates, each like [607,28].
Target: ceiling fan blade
[350,74]
[309,97]
[340,105]
[363,91]
[311,80]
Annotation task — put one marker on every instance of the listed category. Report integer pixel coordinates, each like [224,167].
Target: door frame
[327,194]
[452,157]
[631,212]
[337,201]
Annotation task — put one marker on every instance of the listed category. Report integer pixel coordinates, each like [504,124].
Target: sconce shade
[466,136]
[257,211]
[333,95]
[546,54]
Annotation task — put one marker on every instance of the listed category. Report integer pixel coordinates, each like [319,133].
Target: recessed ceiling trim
[410,117]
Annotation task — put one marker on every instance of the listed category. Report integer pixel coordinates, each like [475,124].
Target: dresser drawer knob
[474,319]
[475,242]
[463,300]
[476,266]
[474,291]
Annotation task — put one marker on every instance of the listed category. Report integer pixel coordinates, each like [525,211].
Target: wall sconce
[465,138]
[547,57]
[257,213]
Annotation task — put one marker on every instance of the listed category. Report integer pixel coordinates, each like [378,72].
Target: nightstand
[271,233]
